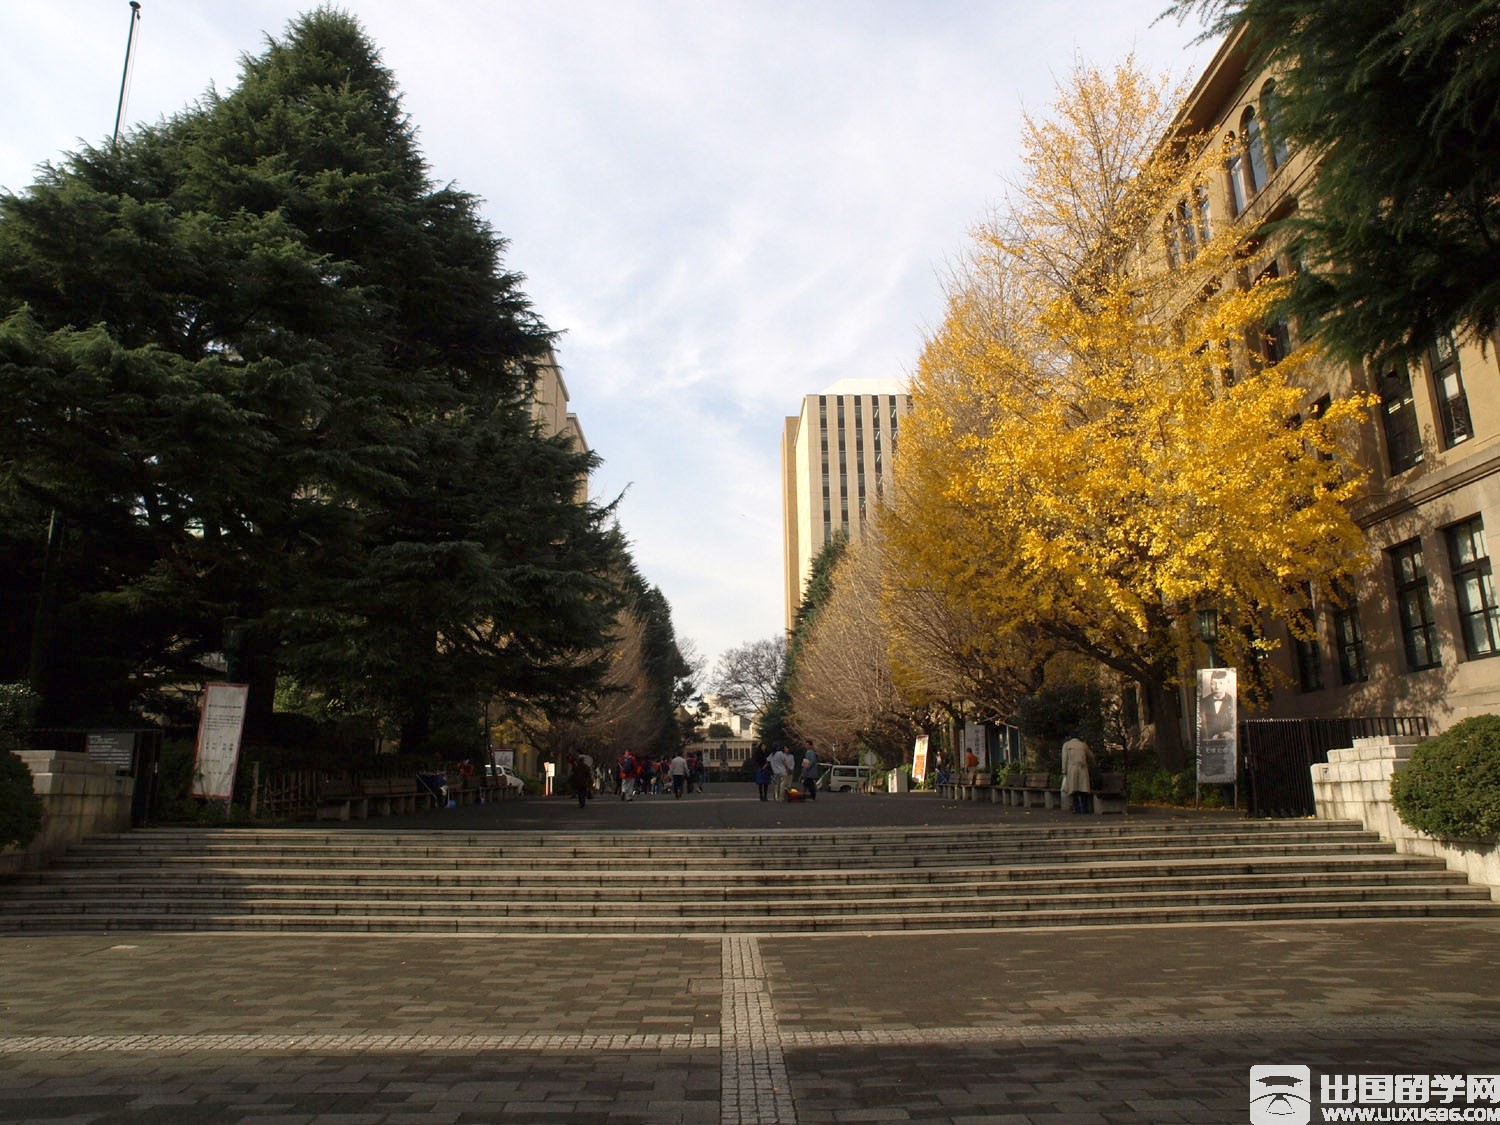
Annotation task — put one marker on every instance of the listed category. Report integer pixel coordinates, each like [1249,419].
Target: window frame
[1349,638]
[1203,213]
[1257,172]
[1453,409]
[1234,162]
[1279,150]
[1398,419]
[1414,607]
[1472,573]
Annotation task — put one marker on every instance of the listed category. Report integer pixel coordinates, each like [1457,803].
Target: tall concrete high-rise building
[836,459]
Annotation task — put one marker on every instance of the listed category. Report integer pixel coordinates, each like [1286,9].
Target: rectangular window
[1309,656]
[1414,604]
[1307,653]
[1474,588]
[1398,415]
[1448,382]
[1350,638]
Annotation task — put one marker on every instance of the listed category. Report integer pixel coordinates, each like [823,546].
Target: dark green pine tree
[668,674]
[774,726]
[1400,103]
[271,374]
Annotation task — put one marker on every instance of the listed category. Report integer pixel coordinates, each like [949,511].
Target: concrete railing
[80,797]
[1355,784]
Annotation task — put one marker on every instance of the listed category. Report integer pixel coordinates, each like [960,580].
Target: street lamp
[1208,632]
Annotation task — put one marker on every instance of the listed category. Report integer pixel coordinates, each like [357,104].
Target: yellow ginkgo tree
[1099,445]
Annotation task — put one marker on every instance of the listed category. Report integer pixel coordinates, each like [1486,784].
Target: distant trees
[649,675]
[1396,101]
[844,694]
[266,385]
[746,677]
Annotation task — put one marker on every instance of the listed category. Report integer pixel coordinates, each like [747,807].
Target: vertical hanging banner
[976,749]
[919,760]
[219,730]
[1217,733]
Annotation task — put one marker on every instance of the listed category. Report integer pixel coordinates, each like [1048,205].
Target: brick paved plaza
[1098,1024]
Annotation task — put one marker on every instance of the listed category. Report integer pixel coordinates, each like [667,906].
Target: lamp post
[1208,633]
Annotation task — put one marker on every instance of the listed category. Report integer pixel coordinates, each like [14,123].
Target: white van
[842,779]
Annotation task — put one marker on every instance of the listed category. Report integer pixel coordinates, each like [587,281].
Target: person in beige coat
[1076,760]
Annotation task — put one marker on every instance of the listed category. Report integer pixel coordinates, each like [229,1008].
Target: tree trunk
[1162,712]
[416,727]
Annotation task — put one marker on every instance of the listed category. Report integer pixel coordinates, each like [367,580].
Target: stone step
[224,842]
[615,864]
[792,923]
[715,882]
[1307,870]
[371,888]
[272,900]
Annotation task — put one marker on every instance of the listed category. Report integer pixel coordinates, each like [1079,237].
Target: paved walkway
[1096,1025]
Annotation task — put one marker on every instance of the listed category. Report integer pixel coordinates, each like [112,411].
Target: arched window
[1270,111]
[1205,216]
[1185,226]
[1169,238]
[1234,164]
[1255,149]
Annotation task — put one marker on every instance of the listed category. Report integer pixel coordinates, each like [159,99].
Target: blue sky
[723,205]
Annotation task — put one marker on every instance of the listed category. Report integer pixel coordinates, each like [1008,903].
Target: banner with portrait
[1217,731]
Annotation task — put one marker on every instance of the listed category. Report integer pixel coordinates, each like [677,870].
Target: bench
[342,800]
[407,796]
[1033,792]
[473,789]
[389,796]
[974,787]
[1109,795]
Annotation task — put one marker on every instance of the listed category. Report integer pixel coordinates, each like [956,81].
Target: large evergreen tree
[264,371]
[1400,104]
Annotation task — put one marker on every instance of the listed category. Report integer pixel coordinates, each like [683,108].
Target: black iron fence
[1277,756]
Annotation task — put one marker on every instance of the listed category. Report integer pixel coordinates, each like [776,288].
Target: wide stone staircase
[728,881]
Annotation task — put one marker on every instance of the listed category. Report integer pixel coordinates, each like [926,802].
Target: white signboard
[219,730]
[1217,733]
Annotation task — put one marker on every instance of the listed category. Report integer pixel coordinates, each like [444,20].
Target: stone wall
[1356,785]
[80,797]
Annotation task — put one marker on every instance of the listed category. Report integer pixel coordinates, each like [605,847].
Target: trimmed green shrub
[1451,787]
[20,807]
[1160,787]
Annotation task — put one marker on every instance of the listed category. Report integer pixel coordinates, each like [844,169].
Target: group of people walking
[632,775]
[779,772]
[653,775]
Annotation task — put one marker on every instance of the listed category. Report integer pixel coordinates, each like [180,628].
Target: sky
[722,205]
